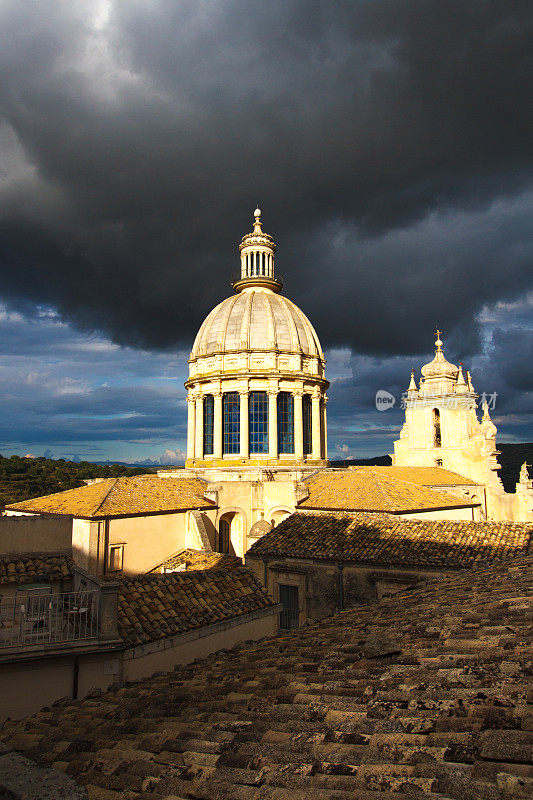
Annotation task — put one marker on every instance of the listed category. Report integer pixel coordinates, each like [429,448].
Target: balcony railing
[35,618]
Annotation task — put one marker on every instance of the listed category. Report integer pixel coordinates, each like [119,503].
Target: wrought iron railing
[289,618]
[38,617]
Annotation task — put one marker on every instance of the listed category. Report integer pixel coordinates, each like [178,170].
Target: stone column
[199,438]
[325,423]
[191,415]
[315,416]
[244,433]
[272,423]
[217,425]
[298,427]
[108,611]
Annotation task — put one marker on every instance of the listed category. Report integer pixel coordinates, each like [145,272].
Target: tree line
[22,478]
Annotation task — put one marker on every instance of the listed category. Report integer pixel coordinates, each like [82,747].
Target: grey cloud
[139,143]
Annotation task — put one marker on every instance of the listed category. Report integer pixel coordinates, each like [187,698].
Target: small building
[319,563]
[65,633]
[58,632]
[126,526]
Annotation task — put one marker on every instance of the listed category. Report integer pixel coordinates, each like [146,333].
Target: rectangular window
[290,614]
[258,422]
[307,424]
[285,422]
[116,557]
[231,413]
[209,412]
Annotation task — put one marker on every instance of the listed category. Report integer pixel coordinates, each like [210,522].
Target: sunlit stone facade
[442,429]
[256,387]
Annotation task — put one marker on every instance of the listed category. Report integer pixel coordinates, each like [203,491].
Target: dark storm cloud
[388,144]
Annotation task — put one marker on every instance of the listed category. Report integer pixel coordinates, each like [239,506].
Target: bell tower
[441,426]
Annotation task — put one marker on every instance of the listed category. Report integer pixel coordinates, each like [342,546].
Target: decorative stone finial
[461,385]
[412,384]
[257,220]
[524,475]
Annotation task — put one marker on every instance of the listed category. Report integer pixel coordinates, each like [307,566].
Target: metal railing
[289,618]
[35,617]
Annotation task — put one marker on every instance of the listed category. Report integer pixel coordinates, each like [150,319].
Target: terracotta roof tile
[390,540]
[369,489]
[425,695]
[425,476]
[152,607]
[118,497]
[35,567]
[197,559]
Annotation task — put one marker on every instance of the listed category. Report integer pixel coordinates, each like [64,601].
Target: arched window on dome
[437,437]
[231,423]
[258,422]
[285,411]
[307,424]
[209,414]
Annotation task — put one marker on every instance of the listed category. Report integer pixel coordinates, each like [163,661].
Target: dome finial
[257,220]
[438,342]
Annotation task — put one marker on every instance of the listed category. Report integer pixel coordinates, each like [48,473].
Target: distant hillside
[377,461]
[511,458]
[23,478]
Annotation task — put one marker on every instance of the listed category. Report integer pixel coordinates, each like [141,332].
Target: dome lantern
[257,251]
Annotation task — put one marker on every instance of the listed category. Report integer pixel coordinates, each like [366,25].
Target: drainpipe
[106,545]
[341,587]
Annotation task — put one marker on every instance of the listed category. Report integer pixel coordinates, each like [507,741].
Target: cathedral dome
[256,390]
[256,319]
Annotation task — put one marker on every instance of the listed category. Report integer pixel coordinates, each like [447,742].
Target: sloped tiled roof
[119,497]
[369,490]
[35,567]
[425,476]
[426,695]
[390,540]
[152,607]
[197,559]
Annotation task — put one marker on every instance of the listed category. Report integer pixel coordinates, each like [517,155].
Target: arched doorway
[229,534]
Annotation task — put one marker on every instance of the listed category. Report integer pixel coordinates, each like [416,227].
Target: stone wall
[327,587]
[26,533]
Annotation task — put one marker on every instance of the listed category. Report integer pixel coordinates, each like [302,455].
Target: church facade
[442,429]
